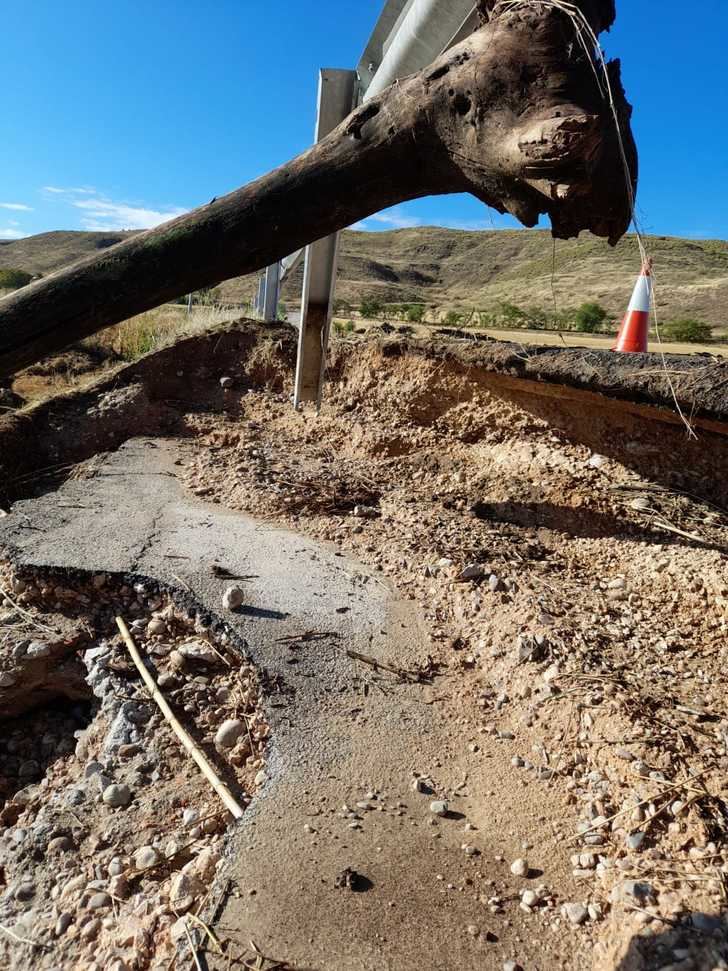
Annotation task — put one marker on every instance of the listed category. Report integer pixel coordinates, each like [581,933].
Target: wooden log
[513,115]
[188,743]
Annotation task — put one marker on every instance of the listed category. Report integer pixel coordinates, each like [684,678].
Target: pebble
[439,807]
[60,844]
[226,382]
[261,778]
[473,930]
[156,626]
[146,857]
[24,891]
[90,930]
[229,732]
[519,868]
[510,966]
[99,900]
[62,924]
[190,817]
[233,597]
[576,913]
[635,840]
[37,649]
[530,898]
[117,795]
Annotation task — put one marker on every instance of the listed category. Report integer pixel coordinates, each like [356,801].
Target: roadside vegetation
[588,318]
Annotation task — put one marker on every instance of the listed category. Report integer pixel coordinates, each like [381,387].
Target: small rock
[494,583]
[146,857]
[62,924]
[7,680]
[229,732]
[90,931]
[473,930]
[37,649]
[190,817]
[474,571]
[156,626]
[99,900]
[233,597]
[261,778]
[575,913]
[597,461]
[117,795]
[530,898]
[24,891]
[196,651]
[635,840]
[439,807]
[226,382]
[119,887]
[60,844]
[184,891]
[519,868]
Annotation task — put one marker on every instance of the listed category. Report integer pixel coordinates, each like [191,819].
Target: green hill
[453,269]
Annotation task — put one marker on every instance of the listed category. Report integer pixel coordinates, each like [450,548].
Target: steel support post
[337,90]
[271,292]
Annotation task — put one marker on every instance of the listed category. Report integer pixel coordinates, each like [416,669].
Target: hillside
[448,268]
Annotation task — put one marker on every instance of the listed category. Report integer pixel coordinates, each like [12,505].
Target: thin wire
[580,23]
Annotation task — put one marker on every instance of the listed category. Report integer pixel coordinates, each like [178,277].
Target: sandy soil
[577,612]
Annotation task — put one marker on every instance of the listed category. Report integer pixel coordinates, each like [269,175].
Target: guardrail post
[337,89]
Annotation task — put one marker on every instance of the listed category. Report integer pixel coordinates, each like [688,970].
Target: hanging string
[592,48]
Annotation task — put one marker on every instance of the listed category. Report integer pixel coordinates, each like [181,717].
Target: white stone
[233,597]
[229,732]
[146,857]
[117,795]
[519,868]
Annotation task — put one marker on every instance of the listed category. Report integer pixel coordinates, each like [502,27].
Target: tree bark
[513,115]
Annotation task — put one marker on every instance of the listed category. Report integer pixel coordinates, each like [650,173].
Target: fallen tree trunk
[514,115]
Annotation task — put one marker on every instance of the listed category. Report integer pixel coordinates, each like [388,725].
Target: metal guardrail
[408,36]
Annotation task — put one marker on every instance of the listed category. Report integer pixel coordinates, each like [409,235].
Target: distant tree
[590,318]
[689,330]
[511,315]
[370,308]
[452,318]
[416,313]
[14,279]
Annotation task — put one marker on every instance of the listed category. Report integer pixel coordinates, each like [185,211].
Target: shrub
[689,330]
[14,279]
[344,328]
[452,318]
[370,308]
[416,313]
[590,318]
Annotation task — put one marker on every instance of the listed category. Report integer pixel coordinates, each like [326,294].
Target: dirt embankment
[564,540]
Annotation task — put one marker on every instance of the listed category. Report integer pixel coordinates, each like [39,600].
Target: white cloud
[15,206]
[7,232]
[103,214]
[396,219]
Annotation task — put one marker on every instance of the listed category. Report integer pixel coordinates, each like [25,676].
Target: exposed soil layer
[108,833]
[565,543]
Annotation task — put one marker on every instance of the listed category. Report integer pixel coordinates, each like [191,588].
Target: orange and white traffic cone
[632,336]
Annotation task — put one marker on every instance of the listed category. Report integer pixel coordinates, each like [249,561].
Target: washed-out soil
[563,532]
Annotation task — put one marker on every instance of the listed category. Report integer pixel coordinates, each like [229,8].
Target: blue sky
[122,114]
